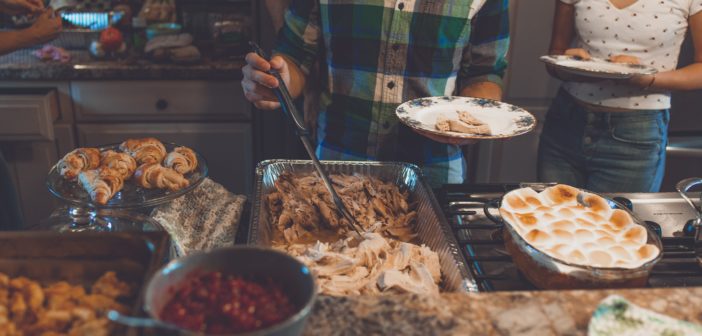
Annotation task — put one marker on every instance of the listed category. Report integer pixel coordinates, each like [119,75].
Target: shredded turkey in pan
[303,211]
[307,225]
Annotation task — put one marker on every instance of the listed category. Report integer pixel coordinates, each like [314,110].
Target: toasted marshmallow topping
[588,233]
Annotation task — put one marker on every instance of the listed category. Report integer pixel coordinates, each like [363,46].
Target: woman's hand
[257,83]
[569,77]
[18,7]
[46,28]
[625,59]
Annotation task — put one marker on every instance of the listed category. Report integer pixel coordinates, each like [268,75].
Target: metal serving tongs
[288,107]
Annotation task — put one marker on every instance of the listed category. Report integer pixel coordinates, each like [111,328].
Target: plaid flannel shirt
[377,54]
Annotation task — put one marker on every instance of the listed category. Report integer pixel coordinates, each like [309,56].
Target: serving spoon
[142,322]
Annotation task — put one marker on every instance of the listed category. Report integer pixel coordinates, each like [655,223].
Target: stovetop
[480,238]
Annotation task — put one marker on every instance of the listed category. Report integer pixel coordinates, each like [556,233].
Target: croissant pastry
[182,160]
[154,175]
[146,150]
[122,163]
[78,160]
[102,184]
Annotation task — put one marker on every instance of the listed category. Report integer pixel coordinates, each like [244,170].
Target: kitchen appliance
[472,211]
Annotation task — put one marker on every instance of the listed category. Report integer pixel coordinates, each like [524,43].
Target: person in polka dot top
[611,135]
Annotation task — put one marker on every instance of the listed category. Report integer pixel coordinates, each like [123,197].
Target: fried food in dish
[60,309]
[122,163]
[102,184]
[146,150]
[181,159]
[78,160]
[302,210]
[374,265]
[154,175]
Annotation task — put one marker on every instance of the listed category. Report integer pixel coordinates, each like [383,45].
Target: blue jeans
[603,152]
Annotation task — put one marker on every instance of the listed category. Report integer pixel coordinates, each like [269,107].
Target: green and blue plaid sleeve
[300,36]
[485,59]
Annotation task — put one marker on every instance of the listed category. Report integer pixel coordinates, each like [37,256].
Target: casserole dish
[594,243]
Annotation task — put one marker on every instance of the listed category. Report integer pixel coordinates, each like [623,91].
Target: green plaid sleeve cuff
[298,39]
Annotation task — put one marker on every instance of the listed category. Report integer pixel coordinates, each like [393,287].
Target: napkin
[206,218]
[616,316]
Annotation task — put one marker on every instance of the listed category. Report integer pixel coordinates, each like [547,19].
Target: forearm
[687,78]
[486,89]
[14,40]
[297,77]
[276,9]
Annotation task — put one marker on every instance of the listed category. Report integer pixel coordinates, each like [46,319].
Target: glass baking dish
[547,272]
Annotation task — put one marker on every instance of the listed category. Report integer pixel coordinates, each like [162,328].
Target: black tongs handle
[286,102]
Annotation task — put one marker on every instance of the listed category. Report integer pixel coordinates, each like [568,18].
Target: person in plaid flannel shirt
[377,54]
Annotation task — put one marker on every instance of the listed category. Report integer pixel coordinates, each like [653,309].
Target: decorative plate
[597,68]
[616,316]
[504,120]
[131,195]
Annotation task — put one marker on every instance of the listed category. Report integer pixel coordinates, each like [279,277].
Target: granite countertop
[22,65]
[539,313]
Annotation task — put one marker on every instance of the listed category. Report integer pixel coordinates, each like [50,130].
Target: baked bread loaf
[78,160]
[146,150]
[102,184]
[182,160]
[154,175]
[122,163]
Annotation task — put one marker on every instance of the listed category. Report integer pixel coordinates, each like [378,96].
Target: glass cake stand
[127,211]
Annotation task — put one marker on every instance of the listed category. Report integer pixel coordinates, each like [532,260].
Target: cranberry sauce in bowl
[233,291]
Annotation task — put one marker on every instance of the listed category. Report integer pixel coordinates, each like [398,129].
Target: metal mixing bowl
[294,277]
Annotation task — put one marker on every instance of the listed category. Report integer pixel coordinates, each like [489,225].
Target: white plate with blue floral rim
[505,120]
[596,67]
[616,316]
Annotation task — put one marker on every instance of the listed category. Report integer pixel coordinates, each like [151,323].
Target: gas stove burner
[690,228]
[655,227]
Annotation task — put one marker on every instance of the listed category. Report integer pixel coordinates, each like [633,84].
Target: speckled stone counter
[22,65]
[507,313]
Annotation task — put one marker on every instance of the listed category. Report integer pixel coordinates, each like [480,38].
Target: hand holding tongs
[288,107]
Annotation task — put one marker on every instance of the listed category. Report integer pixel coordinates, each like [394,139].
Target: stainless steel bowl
[293,276]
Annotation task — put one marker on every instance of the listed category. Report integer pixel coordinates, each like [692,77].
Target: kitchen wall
[529,86]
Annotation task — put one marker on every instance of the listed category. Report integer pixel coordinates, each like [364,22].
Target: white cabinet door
[227,147]
[29,163]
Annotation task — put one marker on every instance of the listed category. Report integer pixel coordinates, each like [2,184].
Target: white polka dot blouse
[652,30]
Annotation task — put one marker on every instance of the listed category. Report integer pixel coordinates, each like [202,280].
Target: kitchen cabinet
[33,135]
[227,147]
[159,101]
